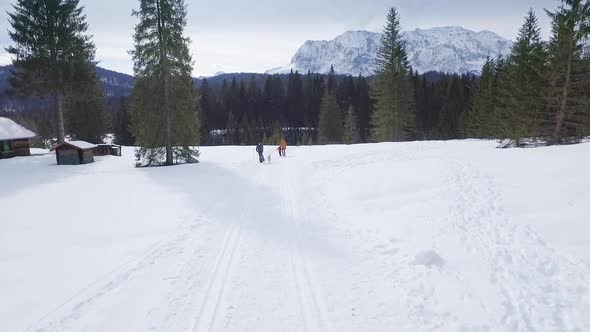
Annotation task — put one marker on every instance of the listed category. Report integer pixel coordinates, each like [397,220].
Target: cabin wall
[102,150]
[67,156]
[71,156]
[14,148]
[87,157]
[107,150]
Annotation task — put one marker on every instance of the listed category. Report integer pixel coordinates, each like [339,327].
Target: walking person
[260,150]
[283,147]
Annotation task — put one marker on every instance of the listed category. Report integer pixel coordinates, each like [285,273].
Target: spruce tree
[568,67]
[85,108]
[364,107]
[165,106]
[452,109]
[253,96]
[277,134]
[205,110]
[330,126]
[483,120]
[307,138]
[351,131]
[231,129]
[394,117]
[314,91]
[50,45]
[295,100]
[122,123]
[521,85]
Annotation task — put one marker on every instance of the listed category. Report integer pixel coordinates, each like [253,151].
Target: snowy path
[404,237]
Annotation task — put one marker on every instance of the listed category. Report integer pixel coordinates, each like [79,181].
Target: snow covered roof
[82,145]
[10,130]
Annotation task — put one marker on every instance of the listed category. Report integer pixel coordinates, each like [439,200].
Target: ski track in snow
[541,289]
[171,315]
[78,304]
[310,302]
[209,314]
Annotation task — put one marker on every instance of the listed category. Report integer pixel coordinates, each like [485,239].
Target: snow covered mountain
[447,49]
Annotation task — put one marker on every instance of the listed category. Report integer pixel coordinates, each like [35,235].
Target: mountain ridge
[450,49]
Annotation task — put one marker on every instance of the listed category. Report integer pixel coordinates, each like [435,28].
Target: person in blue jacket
[260,150]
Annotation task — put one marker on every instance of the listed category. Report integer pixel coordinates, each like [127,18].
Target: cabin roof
[79,145]
[10,130]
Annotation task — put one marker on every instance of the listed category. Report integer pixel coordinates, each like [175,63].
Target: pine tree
[122,123]
[394,117]
[331,81]
[307,138]
[468,84]
[314,91]
[351,131]
[231,129]
[483,119]
[363,107]
[295,100]
[248,135]
[452,110]
[521,85]
[85,107]
[277,134]
[330,126]
[566,95]
[253,136]
[50,45]
[206,100]
[273,98]
[253,95]
[165,106]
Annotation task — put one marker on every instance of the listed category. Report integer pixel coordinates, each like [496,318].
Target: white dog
[269,161]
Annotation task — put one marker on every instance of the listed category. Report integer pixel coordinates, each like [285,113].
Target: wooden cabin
[14,139]
[74,153]
[108,150]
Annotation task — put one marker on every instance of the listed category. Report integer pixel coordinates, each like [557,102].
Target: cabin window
[5,146]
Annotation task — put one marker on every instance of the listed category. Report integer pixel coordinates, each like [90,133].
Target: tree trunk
[57,79]
[560,116]
[169,156]
[58,104]
[164,72]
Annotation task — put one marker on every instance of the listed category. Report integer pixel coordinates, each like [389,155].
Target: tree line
[538,92]
[244,111]
[541,91]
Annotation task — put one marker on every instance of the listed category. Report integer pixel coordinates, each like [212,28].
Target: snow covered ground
[429,236]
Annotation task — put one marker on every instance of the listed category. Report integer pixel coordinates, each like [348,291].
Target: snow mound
[428,258]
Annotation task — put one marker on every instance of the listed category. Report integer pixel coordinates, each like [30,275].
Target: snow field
[424,236]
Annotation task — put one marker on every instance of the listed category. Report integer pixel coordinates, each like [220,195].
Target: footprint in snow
[428,258]
[391,252]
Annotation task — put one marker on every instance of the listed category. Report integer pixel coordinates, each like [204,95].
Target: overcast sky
[253,36]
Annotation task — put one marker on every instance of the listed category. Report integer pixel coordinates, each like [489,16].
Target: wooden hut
[107,150]
[14,139]
[74,153]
